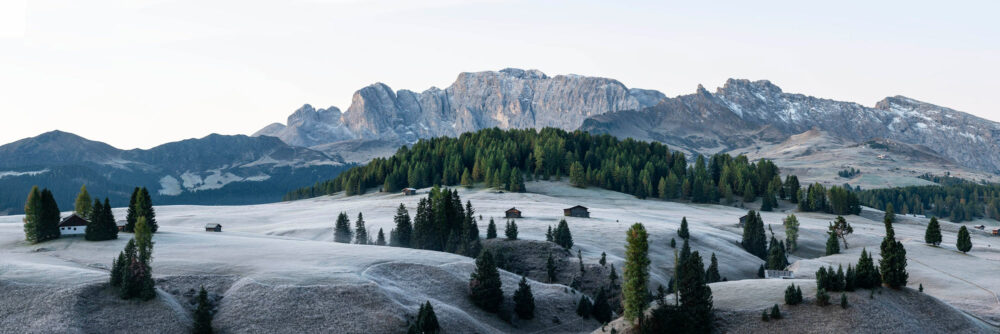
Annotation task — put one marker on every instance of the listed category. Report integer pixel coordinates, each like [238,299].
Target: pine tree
[712,273]
[867,275]
[841,228]
[132,214]
[636,272]
[110,227]
[342,230]
[893,262]
[754,239]
[760,271]
[426,322]
[82,206]
[402,234]
[775,312]
[601,310]
[203,314]
[360,231]
[776,258]
[550,268]
[832,244]
[584,308]
[613,278]
[146,209]
[964,243]
[137,275]
[793,296]
[380,241]
[604,259]
[791,224]
[933,234]
[118,265]
[696,296]
[94,230]
[516,181]
[466,178]
[562,236]
[485,284]
[33,216]
[843,300]
[491,230]
[524,301]
[548,235]
[511,230]
[49,219]
[683,231]
[673,243]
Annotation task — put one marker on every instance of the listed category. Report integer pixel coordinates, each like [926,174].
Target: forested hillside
[954,199]
[505,158]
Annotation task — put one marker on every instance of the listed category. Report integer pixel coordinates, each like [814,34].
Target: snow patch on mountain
[28,173]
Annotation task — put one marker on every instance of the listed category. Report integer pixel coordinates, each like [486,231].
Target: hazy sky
[140,73]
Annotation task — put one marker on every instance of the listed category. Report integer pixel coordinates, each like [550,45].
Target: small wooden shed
[782,274]
[409,191]
[996,232]
[512,213]
[577,211]
[213,227]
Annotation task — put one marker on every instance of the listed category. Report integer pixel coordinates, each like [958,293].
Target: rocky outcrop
[510,98]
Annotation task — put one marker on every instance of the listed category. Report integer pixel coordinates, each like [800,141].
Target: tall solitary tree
[342,230]
[491,230]
[380,240]
[712,273]
[360,231]
[636,272]
[524,301]
[94,230]
[82,206]
[683,231]
[964,243]
[841,228]
[933,234]
[893,263]
[485,285]
[791,224]
[203,314]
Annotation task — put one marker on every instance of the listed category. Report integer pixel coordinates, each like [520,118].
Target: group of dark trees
[486,293]
[692,313]
[426,321]
[100,222]
[41,216]
[838,200]
[848,173]
[131,272]
[504,158]
[441,224]
[140,205]
[955,199]
[561,235]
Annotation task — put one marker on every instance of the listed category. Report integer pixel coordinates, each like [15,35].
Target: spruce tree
[94,230]
[775,312]
[511,230]
[380,240]
[683,231]
[584,308]
[108,219]
[403,232]
[82,205]
[601,310]
[137,275]
[132,214]
[613,278]
[712,273]
[696,296]
[673,243]
[604,259]
[360,231]
[754,239]
[203,314]
[342,230]
[933,234]
[867,276]
[466,178]
[776,258]
[426,322]
[49,222]
[33,216]
[118,265]
[636,272]
[491,230]
[964,243]
[524,301]
[146,209]
[832,244]
[550,268]
[548,235]
[485,284]
[562,236]
[893,262]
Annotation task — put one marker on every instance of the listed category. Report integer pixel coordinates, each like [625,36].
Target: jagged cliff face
[743,112]
[510,98]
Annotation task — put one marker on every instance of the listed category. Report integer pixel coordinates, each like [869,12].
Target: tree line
[955,199]
[506,158]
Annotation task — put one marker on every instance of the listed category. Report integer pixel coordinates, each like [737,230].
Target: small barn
[996,232]
[743,221]
[577,211]
[121,225]
[213,227]
[72,225]
[512,213]
[782,274]
[409,191]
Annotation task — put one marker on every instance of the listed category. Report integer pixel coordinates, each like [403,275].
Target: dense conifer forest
[506,158]
[954,199]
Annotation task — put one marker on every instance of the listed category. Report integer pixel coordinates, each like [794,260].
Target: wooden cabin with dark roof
[577,211]
[512,213]
[73,225]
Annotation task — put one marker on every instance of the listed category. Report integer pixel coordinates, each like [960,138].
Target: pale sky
[141,73]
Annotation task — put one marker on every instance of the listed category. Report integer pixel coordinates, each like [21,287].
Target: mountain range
[216,169]
[739,114]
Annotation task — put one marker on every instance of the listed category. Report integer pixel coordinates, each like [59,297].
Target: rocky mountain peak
[524,74]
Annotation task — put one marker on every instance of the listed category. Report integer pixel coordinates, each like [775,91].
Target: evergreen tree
[832,244]
[843,300]
[841,228]
[776,258]
[118,265]
[791,224]
[466,178]
[775,312]
[613,278]
[49,218]
[548,235]
[562,236]
[760,271]
[145,209]
[342,230]
[792,188]
[94,230]
[380,241]
[511,230]
[524,301]
[933,234]
[867,275]
[696,296]
[516,181]
[491,230]
[793,296]
[426,322]
[712,273]
[683,231]
[82,206]
[673,243]
[636,272]
[893,262]
[485,284]
[577,177]
[964,243]
[110,226]
[584,308]
[550,268]
[137,275]
[579,257]
[402,234]
[33,216]
[132,214]
[754,239]
[604,259]
[601,310]
[360,231]
[203,314]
